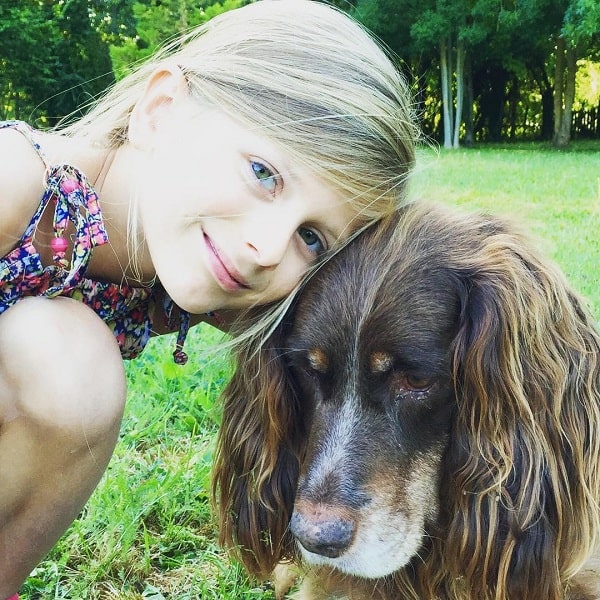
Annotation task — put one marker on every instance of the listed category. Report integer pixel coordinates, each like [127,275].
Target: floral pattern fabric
[127,310]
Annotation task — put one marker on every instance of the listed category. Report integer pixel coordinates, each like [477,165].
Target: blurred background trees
[482,70]
[498,69]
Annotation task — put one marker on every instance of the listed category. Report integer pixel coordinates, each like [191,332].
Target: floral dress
[127,310]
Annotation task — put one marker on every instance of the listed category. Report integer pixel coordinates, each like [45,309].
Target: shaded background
[481,70]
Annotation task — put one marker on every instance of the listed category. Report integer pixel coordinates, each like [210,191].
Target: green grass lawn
[147,531]
[556,194]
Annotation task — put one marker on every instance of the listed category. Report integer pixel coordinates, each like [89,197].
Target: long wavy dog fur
[424,424]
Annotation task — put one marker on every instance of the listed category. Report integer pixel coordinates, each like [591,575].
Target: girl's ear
[165,86]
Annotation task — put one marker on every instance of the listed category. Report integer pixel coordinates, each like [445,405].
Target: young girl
[205,183]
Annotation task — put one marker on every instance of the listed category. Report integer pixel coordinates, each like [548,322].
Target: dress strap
[24,129]
[179,356]
[29,133]
[75,202]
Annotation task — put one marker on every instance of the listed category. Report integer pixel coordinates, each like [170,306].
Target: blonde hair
[310,77]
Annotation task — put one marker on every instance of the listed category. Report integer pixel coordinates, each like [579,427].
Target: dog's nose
[322,533]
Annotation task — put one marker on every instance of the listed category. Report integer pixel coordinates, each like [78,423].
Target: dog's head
[429,412]
[369,354]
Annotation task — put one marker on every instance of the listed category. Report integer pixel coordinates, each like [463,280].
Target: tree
[454,27]
[52,57]
[26,31]
[158,21]
[502,55]
[81,65]
[581,24]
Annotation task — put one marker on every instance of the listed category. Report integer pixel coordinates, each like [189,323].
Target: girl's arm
[21,187]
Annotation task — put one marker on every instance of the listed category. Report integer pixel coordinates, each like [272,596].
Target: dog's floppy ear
[256,467]
[524,464]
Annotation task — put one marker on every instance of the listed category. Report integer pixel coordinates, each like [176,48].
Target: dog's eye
[415,382]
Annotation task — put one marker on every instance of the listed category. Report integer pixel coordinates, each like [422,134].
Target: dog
[423,424]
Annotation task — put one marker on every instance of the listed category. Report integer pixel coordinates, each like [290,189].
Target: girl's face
[229,219]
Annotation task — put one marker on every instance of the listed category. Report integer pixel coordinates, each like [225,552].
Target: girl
[208,180]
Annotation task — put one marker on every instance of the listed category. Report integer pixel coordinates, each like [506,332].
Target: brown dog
[425,424]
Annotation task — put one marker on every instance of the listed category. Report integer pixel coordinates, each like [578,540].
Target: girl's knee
[61,367]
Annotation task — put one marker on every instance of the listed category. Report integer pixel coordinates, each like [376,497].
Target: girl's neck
[115,185]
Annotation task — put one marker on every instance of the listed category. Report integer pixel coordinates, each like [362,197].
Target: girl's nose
[269,240]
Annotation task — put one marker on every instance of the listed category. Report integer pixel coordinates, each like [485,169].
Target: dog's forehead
[377,341]
[375,300]
[370,309]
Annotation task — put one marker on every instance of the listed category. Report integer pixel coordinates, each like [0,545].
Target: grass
[555,194]
[147,531]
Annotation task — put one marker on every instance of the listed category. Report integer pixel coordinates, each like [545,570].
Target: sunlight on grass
[555,195]
[147,532]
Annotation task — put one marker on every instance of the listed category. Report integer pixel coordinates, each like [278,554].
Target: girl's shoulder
[21,185]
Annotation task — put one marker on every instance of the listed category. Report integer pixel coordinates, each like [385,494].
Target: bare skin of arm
[58,429]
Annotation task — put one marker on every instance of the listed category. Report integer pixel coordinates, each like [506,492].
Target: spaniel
[423,424]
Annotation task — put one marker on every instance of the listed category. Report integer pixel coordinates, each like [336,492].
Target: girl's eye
[265,176]
[312,240]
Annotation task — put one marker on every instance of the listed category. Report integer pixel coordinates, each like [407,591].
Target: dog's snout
[322,530]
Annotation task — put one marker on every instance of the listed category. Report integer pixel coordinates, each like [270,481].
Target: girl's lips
[226,275]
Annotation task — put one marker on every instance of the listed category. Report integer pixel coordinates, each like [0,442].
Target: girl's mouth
[226,275]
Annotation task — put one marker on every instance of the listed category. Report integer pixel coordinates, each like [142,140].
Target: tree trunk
[460,91]
[498,78]
[547,123]
[183,20]
[563,134]
[446,73]
[513,102]
[468,109]
[559,85]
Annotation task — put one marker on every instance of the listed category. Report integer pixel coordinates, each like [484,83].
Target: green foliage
[509,47]
[52,58]
[429,30]
[55,57]
[582,21]
[113,19]
[588,85]
[157,22]
[390,20]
